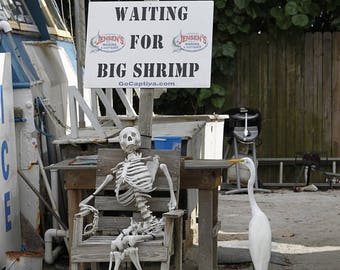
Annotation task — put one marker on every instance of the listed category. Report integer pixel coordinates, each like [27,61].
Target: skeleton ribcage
[135,184]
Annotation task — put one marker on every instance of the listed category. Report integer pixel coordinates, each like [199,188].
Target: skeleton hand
[91,227]
[156,158]
[132,241]
[172,205]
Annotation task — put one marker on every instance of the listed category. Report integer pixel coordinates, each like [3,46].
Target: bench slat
[100,252]
[109,203]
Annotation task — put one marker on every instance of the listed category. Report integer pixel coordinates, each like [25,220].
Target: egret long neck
[251,182]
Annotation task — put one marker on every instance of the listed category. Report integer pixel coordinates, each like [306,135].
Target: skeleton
[134,179]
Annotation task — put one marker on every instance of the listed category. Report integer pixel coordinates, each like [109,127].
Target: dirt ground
[305,230]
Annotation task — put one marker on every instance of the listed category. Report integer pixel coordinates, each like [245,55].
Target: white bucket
[24,260]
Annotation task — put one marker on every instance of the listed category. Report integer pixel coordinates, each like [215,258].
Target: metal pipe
[281,173]
[41,198]
[50,253]
[5,26]
[55,192]
[47,184]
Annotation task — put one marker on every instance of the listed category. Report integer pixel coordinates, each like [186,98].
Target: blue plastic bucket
[167,142]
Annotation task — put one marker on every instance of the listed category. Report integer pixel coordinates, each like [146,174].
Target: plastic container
[24,260]
[167,142]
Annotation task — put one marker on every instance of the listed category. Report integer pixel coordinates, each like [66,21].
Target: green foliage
[234,22]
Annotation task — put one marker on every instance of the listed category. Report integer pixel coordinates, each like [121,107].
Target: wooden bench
[115,217]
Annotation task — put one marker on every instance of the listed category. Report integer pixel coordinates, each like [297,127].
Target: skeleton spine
[142,206]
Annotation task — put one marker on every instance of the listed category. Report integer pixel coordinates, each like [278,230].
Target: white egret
[259,233]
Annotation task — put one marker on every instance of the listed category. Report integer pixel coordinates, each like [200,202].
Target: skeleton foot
[133,254]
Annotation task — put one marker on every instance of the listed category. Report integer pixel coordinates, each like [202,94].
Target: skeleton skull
[129,139]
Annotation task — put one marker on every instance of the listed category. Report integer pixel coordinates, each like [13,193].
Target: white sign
[9,196]
[149,44]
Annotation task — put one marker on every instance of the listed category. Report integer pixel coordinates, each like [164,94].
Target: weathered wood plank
[263,104]
[326,109]
[113,225]
[100,253]
[317,95]
[270,128]
[309,92]
[206,230]
[109,203]
[81,179]
[106,240]
[336,95]
[201,179]
[281,97]
[290,109]
[300,92]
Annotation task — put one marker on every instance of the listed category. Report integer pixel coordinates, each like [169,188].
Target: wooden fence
[295,83]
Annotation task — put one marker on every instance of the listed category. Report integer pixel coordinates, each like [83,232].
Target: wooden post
[145,116]
[79,9]
[206,244]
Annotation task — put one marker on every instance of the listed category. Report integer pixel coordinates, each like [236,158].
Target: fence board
[318,102]
[336,94]
[327,91]
[300,92]
[291,113]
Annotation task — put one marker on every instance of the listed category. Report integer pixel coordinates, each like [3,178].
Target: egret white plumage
[259,233]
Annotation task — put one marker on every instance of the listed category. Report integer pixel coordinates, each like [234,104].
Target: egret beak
[235,160]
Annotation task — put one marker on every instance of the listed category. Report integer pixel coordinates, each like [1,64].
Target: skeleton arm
[84,203]
[108,179]
[84,206]
[153,166]
[172,204]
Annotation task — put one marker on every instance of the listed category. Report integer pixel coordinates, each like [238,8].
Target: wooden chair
[114,217]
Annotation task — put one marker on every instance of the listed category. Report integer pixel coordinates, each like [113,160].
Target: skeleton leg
[116,251]
[133,254]
[172,204]
[119,257]
[118,244]
[111,257]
